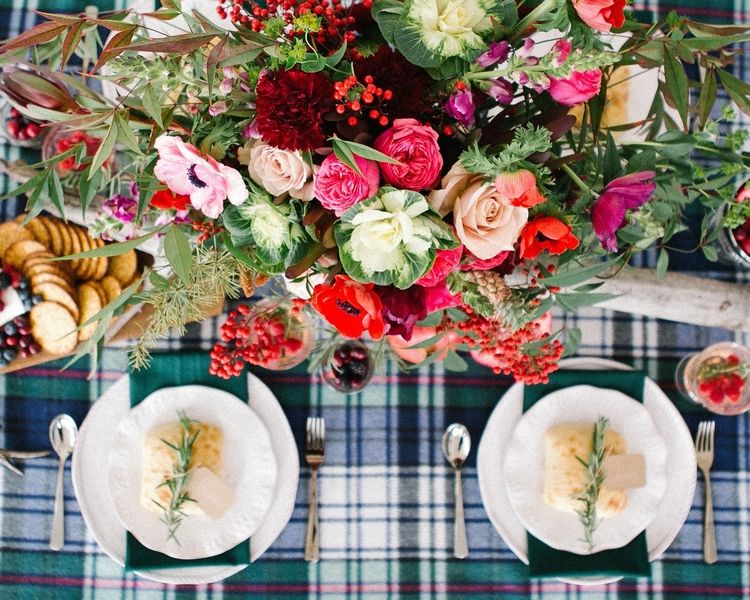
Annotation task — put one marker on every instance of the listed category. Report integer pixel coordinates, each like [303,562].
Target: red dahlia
[289,107]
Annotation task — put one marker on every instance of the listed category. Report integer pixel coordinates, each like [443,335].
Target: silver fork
[315,453]
[704,455]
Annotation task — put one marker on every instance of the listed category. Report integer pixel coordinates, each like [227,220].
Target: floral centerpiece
[435,173]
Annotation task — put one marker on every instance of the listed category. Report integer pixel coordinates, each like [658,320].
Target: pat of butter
[624,471]
[213,496]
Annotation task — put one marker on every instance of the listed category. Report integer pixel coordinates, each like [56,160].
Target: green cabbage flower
[428,32]
[392,238]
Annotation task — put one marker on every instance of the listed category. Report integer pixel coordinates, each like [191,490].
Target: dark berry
[4,280]
[10,328]
[10,353]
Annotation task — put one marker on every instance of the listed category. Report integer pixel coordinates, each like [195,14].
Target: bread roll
[159,459]
[565,478]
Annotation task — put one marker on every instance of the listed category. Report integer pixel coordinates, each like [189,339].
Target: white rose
[277,171]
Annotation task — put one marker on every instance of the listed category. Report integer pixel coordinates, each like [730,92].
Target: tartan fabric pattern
[386,491]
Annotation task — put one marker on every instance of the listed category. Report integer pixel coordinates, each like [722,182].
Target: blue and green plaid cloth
[386,513]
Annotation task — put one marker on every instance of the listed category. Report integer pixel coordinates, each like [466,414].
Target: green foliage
[527,140]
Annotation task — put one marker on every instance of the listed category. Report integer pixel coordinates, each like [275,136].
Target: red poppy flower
[351,307]
[168,200]
[546,233]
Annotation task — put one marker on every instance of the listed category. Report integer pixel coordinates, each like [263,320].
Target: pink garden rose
[416,147]
[338,187]
[186,171]
[601,15]
[579,87]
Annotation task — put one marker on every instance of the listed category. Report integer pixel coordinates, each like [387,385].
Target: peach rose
[278,171]
[486,220]
[456,180]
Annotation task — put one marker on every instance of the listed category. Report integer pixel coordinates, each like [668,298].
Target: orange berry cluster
[364,98]
[505,346]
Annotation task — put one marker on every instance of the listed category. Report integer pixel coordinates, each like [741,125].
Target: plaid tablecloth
[386,515]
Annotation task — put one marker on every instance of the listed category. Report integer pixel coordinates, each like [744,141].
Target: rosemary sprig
[595,476]
[177,483]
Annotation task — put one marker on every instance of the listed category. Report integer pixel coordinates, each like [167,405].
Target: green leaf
[345,155]
[574,273]
[313,65]
[125,134]
[183,43]
[367,152]
[387,14]
[335,58]
[109,310]
[431,341]
[105,148]
[662,264]
[710,253]
[152,105]
[737,89]
[453,362]
[87,188]
[707,98]
[27,186]
[56,194]
[408,39]
[109,250]
[572,301]
[158,281]
[38,199]
[708,44]
[677,83]
[211,63]
[432,320]
[178,253]
[612,166]
[247,55]
[573,341]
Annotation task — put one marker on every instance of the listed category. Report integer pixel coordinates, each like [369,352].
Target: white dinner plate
[91,457]
[681,467]
[248,461]
[524,467]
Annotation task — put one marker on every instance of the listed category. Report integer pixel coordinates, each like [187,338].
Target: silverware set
[704,455]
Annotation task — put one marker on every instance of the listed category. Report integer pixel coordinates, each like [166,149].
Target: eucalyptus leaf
[109,250]
[662,264]
[106,147]
[152,104]
[577,273]
[454,362]
[573,341]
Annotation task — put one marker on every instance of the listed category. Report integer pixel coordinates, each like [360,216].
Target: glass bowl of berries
[349,366]
[734,233]
[272,333]
[19,130]
[718,378]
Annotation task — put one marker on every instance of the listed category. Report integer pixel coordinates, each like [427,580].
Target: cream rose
[486,222]
[278,171]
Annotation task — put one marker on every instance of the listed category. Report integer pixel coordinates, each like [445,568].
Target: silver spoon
[62,435]
[456,447]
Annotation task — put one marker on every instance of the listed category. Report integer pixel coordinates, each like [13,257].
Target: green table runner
[169,370]
[632,559]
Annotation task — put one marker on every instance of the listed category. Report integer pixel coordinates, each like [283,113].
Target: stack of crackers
[71,291]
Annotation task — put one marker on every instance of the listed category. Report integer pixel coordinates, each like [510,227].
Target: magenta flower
[186,171]
[123,208]
[460,106]
[501,91]
[620,195]
[402,309]
[497,53]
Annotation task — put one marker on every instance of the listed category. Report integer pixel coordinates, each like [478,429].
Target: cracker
[10,233]
[48,277]
[55,293]
[66,235]
[53,327]
[91,263]
[90,303]
[17,252]
[55,241]
[112,287]
[36,258]
[51,268]
[39,231]
[79,264]
[123,267]
[99,290]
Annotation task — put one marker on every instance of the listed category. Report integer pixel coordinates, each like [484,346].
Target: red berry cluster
[742,235]
[255,337]
[503,347]
[361,98]
[721,380]
[336,22]
[21,128]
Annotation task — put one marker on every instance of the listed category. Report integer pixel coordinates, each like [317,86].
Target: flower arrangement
[440,170]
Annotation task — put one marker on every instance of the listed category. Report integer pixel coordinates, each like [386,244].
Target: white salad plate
[524,467]
[91,459]
[680,467]
[249,471]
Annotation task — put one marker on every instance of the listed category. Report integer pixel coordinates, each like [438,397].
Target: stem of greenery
[532,17]
[578,181]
